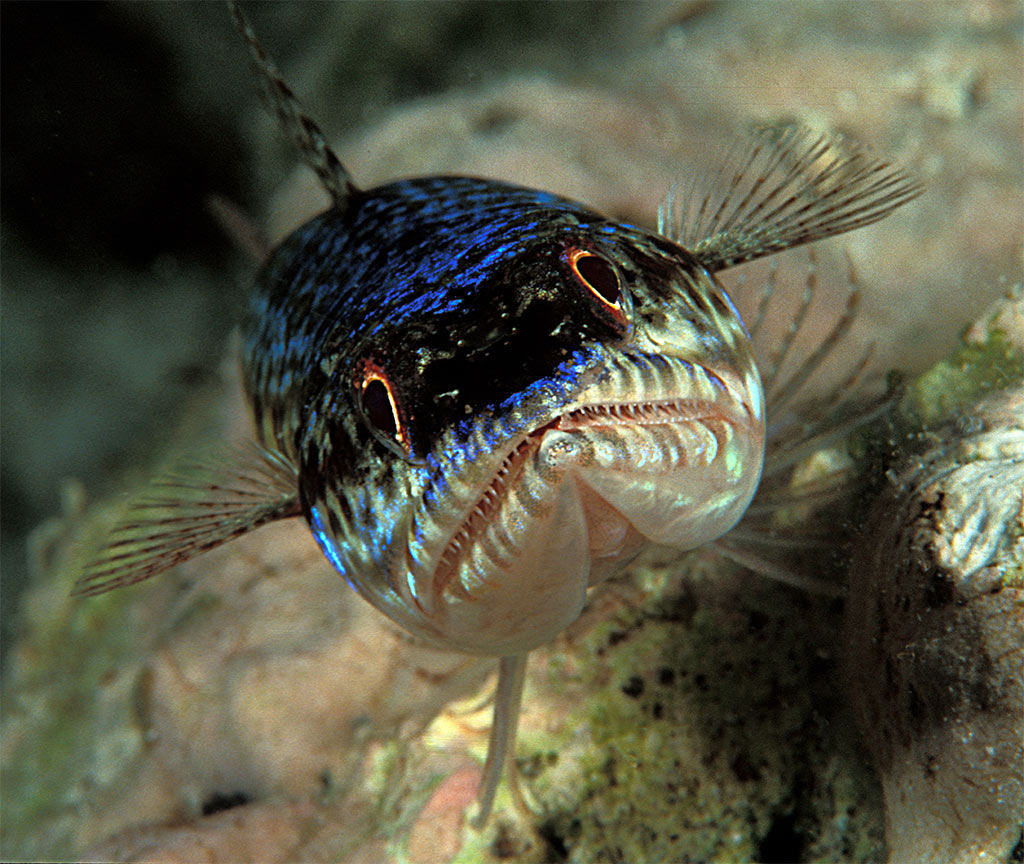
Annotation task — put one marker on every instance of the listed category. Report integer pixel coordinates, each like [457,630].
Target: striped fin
[301,128]
[788,187]
[193,508]
[801,423]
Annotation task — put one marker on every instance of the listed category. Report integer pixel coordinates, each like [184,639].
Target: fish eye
[380,407]
[603,282]
[598,275]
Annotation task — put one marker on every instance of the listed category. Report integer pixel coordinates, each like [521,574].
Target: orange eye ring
[380,407]
[598,275]
[601,279]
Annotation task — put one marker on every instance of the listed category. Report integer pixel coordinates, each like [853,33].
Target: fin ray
[789,187]
[766,565]
[307,136]
[801,423]
[195,507]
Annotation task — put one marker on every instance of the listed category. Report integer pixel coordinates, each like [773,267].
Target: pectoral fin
[790,186]
[195,507]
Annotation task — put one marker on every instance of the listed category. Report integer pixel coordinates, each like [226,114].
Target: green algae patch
[1013,576]
[1011,573]
[714,731]
[66,679]
[958,382]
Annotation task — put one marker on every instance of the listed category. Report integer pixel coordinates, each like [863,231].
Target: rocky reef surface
[934,625]
[243,707]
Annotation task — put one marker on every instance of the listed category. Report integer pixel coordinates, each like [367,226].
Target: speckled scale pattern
[400,271]
[461,292]
[386,257]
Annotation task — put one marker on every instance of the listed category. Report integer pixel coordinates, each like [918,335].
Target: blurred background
[122,120]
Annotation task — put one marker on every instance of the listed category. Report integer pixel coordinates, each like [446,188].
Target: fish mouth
[490,500]
[572,500]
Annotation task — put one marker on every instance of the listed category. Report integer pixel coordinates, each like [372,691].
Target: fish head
[528,431]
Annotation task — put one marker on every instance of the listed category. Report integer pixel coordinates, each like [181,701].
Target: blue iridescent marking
[327,544]
[718,382]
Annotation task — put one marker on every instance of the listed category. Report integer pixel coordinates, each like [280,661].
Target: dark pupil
[377,407]
[600,276]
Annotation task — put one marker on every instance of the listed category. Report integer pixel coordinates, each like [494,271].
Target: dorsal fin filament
[300,127]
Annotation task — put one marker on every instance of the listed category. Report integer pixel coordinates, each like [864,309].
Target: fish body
[484,399]
[538,428]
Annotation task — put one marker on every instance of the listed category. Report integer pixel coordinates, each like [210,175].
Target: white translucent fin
[190,510]
[800,424]
[300,127]
[764,301]
[507,702]
[781,389]
[765,564]
[789,186]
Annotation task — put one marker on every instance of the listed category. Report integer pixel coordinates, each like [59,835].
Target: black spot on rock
[939,591]
[744,770]
[1017,855]
[784,843]
[219,801]
[634,687]
[557,849]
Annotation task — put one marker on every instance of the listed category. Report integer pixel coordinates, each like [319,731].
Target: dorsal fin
[788,186]
[301,128]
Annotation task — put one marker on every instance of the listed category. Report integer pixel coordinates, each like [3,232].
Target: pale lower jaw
[511,605]
[613,541]
[677,484]
[585,503]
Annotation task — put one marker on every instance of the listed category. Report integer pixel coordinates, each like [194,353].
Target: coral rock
[935,634]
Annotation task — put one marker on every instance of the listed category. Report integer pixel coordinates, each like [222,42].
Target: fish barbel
[485,399]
